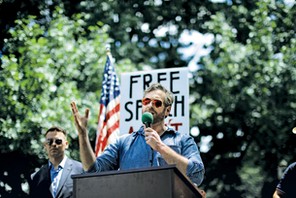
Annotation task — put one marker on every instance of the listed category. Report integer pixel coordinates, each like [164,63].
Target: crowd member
[53,180]
[287,184]
[157,145]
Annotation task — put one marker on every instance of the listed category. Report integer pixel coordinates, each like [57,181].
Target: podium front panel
[142,183]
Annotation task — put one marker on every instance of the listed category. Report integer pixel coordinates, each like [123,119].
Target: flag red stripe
[109,132]
[102,138]
[113,111]
[108,119]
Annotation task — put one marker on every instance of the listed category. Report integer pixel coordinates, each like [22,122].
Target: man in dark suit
[53,180]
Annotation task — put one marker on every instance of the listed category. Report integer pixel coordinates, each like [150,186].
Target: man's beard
[159,117]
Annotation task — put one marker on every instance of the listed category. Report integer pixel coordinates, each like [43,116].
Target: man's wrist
[161,148]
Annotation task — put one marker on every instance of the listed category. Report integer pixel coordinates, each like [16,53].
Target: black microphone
[147,119]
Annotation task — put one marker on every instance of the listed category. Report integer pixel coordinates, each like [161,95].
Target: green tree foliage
[47,68]
[243,93]
[248,90]
[149,31]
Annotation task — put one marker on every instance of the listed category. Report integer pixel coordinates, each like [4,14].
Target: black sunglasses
[56,141]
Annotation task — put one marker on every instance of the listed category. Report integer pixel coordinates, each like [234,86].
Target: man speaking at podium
[154,144]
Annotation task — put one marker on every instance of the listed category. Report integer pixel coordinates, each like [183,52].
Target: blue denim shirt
[131,151]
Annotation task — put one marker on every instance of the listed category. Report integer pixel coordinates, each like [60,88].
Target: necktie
[54,180]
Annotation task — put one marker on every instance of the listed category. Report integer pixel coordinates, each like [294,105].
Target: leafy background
[242,93]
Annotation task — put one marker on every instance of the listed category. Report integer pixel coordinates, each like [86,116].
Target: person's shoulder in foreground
[287,184]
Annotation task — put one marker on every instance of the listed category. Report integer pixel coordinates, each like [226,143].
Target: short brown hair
[56,128]
[169,97]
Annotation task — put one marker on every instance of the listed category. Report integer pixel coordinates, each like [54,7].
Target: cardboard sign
[132,90]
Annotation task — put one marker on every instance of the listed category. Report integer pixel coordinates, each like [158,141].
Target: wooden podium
[154,182]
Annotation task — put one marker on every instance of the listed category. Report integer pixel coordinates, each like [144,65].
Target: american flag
[108,119]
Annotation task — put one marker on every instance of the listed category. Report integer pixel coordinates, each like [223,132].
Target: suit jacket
[40,183]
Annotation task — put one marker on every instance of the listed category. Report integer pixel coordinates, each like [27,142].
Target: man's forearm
[171,157]
[87,155]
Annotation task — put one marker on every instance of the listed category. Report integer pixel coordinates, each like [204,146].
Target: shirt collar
[141,131]
[62,164]
[171,130]
[138,132]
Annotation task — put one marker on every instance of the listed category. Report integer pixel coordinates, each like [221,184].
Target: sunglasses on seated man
[155,102]
[56,141]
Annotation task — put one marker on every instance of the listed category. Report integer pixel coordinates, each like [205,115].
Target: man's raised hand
[80,121]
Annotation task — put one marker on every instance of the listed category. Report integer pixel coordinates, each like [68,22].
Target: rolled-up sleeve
[108,160]
[195,169]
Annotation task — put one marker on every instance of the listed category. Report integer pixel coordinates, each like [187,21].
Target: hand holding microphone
[147,119]
[151,136]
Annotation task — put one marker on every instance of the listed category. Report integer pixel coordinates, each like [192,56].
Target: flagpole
[108,51]
[109,54]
